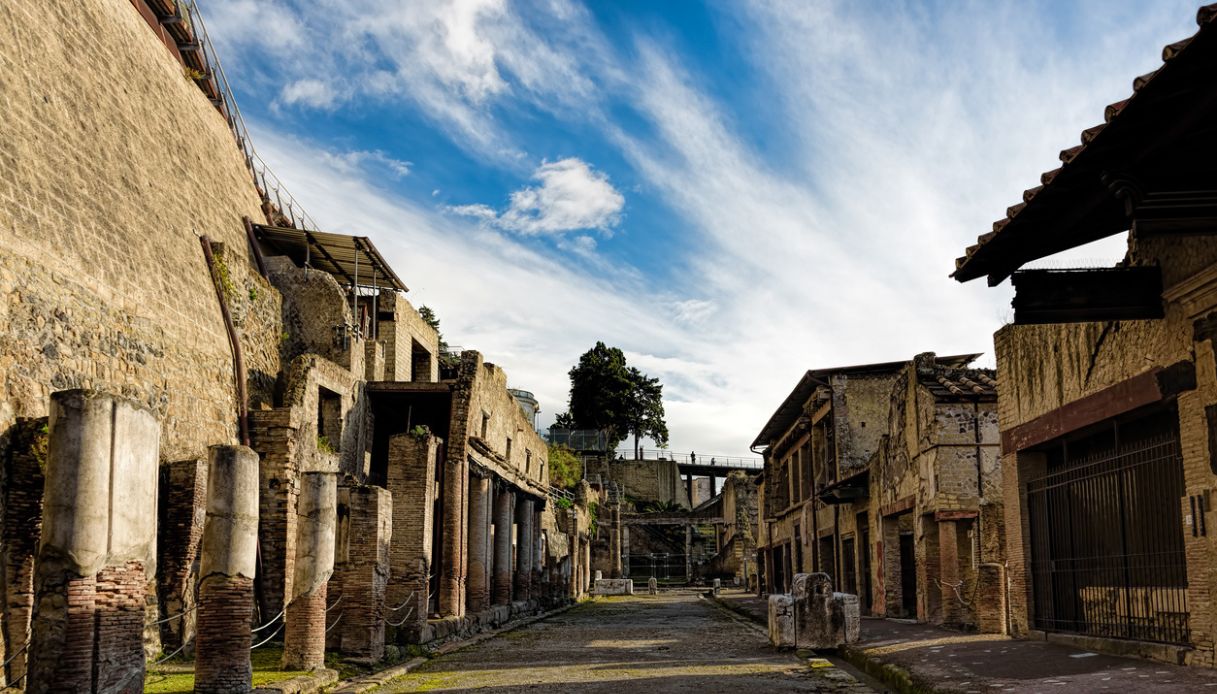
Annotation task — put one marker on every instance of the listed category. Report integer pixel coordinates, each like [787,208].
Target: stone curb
[894,676]
[304,684]
[374,681]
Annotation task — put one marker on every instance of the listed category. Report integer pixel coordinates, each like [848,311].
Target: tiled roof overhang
[1171,111]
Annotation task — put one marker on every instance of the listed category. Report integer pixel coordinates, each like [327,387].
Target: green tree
[428,316]
[608,395]
[644,410]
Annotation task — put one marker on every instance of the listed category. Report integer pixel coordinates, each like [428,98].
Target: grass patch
[177,676]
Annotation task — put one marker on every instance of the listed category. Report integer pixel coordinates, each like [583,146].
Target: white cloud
[571,196]
[373,160]
[308,92]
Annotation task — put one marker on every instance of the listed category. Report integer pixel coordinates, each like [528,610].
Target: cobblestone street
[674,642]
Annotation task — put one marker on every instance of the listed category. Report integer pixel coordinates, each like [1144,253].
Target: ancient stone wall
[120,176]
[403,332]
[649,481]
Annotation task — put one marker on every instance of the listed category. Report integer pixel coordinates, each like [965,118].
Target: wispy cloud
[571,196]
[898,136]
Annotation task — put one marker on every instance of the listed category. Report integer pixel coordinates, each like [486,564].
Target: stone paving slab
[914,657]
[671,642]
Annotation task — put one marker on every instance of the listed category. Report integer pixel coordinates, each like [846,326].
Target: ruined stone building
[737,553]
[876,475]
[214,416]
[1108,404]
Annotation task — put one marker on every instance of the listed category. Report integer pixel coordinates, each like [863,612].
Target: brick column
[455,537]
[99,532]
[504,511]
[524,548]
[304,632]
[183,508]
[227,566]
[22,526]
[478,587]
[948,572]
[363,573]
[411,481]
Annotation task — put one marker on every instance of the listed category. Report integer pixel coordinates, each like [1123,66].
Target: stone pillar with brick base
[478,586]
[227,566]
[363,572]
[524,548]
[455,538]
[504,512]
[98,545]
[305,616]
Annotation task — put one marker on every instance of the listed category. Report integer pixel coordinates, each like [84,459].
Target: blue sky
[730,192]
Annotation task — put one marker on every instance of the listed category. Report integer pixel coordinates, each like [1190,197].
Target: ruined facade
[1108,405]
[256,412]
[876,476]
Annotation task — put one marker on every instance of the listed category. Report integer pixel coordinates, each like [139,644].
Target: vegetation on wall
[565,468]
[446,358]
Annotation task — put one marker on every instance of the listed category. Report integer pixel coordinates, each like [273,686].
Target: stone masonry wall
[119,176]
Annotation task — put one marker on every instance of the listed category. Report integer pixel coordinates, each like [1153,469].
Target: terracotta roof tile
[1068,155]
[1113,110]
[1205,15]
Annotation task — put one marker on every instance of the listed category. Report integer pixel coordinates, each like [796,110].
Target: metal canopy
[352,260]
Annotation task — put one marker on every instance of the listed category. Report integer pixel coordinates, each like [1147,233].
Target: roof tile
[1172,50]
[1031,193]
[1089,134]
[1068,155]
[1113,110]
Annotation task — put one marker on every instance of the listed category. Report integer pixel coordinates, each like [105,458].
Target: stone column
[524,548]
[364,573]
[305,618]
[411,480]
[227,568]
[504,511]
[98,545]
[455,538]
[587,566]
[478,586]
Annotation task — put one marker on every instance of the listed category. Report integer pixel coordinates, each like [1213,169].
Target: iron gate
[1107,554]
[660,566]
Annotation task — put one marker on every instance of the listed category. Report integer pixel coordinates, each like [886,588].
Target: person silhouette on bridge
[692,458]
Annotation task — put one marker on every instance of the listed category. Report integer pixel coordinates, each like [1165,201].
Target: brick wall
[411,482]
[362,572]
[222,664]
[22,525]
[183,508]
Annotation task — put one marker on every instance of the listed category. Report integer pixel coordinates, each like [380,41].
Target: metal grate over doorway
[1107,544]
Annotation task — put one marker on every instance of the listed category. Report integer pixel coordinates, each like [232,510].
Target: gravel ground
[673,642]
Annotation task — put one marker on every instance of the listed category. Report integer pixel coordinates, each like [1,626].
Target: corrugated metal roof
[352,260]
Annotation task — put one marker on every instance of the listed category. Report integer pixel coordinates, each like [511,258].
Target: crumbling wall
[649,481]
[400,328]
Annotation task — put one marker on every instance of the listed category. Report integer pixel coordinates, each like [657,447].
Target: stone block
[614,586]
[823,618]
[781,620]
[652,586]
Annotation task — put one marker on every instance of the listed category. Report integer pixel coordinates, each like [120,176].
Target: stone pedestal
[652,586]
[614,586]
[227,567]
[812,615]
[98,545]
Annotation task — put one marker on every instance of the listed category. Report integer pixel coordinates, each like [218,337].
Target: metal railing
[269,186]
[712,460]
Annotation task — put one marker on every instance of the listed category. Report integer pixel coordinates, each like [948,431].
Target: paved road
[673,642]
